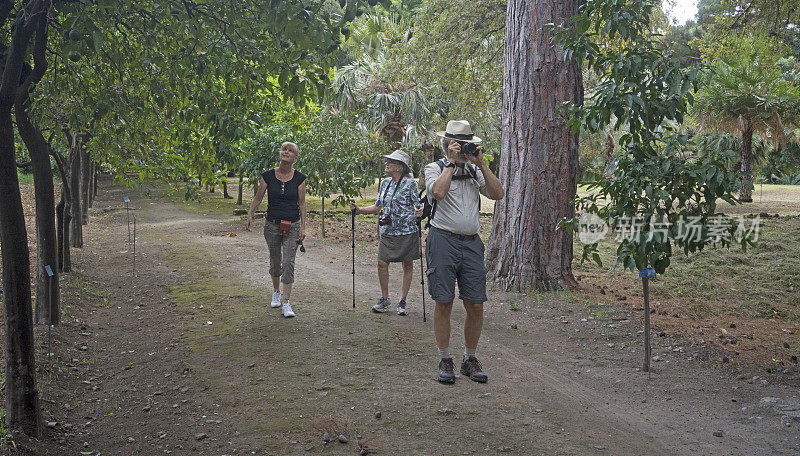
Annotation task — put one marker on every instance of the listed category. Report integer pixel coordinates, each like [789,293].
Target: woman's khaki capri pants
[282,250]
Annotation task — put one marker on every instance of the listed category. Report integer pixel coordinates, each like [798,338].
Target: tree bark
[91,183]
[47,299]
[64,213]
[86,164]
[241,184]
[47,295]
[66,241]
[22,397]
[225,194]
[60,233]
[745,187]
[539,157]
[76,221]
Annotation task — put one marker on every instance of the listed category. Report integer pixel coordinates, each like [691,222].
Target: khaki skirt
[399,248]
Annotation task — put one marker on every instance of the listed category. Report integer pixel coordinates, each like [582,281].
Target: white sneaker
[276,300]
[287,310]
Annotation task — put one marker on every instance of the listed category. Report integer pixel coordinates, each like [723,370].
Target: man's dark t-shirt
[282,197]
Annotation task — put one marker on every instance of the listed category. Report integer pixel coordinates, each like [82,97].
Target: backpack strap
[435,201]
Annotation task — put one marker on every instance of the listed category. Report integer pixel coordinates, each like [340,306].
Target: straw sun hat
[459,130]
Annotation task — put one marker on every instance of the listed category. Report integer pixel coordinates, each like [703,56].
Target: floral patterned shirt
[399,205]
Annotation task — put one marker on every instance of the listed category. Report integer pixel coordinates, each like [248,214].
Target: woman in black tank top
[285,226]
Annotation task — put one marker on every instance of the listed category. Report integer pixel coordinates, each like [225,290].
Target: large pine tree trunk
[745,188]
[539,153]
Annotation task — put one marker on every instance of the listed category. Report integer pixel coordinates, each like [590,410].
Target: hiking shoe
[382,306]
[401,307]
[471,367]
[276,300]
[446,371]
[287,310]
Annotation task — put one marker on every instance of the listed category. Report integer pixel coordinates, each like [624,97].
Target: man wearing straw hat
[453,248]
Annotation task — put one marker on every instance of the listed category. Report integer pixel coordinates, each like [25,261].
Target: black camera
[468,148]
[385,220]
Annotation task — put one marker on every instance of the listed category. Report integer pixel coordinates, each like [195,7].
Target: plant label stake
[353,235]
[134,245]
[49,272]
[128,213]
[646,274]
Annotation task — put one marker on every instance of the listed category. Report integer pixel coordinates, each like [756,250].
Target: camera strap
[386,191]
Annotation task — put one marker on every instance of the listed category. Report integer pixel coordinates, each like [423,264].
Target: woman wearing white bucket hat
[398,199]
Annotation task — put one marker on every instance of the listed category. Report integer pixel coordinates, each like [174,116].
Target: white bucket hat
[400,156]
[459,130]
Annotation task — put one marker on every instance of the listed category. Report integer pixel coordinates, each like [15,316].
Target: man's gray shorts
[454,258]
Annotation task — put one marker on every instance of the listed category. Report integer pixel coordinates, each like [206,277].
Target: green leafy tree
[747,94]
[130,84]
[456,53]
[727,19]
[654,187]
[338,158]
[395,109]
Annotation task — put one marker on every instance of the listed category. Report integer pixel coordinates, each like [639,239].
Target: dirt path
[187,358]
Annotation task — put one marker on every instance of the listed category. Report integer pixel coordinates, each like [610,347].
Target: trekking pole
[422,272]
[353,234]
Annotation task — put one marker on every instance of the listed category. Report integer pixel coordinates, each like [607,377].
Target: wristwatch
[447,163]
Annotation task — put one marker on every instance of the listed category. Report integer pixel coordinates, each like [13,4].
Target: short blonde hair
[293,146]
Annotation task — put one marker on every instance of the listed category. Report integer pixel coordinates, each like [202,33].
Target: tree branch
[24,26]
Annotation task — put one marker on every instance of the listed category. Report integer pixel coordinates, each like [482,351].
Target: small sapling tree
[659,195]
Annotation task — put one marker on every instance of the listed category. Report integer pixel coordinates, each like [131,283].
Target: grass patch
[701,311]
[760,283]
[24,178]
